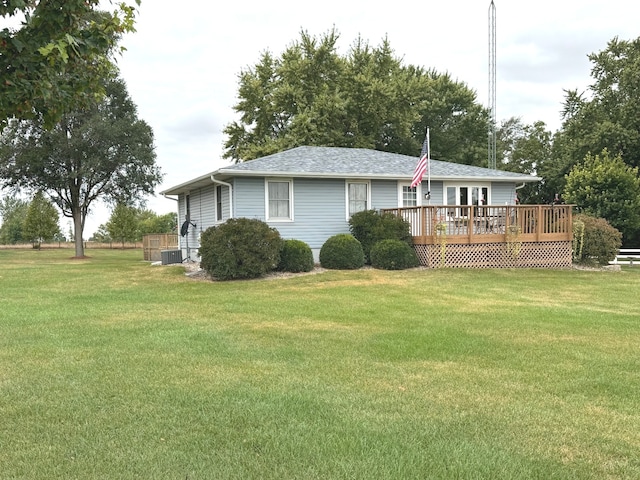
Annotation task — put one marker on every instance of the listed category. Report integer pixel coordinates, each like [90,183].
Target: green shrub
[296,256]
[393,255]
[369,227]
[240,248]
[342,252]
[600,241]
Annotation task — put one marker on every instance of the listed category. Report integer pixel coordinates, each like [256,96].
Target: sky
[182,65]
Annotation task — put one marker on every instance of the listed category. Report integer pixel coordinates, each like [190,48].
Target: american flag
[423,163]
[419,172]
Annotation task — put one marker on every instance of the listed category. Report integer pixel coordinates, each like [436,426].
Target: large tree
[311,95]
[607,115]
[103,151]
[55,57]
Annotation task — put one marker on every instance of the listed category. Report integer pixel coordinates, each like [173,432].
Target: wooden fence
[153,245]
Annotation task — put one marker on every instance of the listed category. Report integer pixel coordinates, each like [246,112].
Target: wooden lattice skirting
[496,255]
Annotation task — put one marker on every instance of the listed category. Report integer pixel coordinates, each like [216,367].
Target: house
[309,193]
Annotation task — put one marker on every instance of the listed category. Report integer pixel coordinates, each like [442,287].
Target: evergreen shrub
[600,241]
[342,252]
[369,227]
[240,248]
[393,255]
[296,256]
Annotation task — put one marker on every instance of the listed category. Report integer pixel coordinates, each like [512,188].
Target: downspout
[178,206]
[178,215]
[518,188]
[215,180]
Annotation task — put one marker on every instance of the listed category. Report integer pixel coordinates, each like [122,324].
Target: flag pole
[428,167]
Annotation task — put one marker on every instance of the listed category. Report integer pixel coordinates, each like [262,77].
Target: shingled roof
[358,162]
[341,162]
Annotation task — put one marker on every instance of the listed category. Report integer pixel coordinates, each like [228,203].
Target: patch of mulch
[194,272]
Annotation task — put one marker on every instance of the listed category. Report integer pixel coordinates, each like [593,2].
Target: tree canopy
[311,95]
[102,151]
[525,149]
[604,186]
[41,222]
[130,224]
[122,225]
[56,59]
[13,210]
[607,115]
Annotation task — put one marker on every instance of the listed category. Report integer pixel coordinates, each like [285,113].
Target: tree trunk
[77,234]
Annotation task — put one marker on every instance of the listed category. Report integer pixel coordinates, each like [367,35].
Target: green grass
[112,368]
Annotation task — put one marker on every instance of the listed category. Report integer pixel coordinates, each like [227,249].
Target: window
[279,200]
[357,197]
[465,195]
[219,203]
[408,196]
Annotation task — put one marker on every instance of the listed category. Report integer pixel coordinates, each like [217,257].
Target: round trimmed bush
[342,252]
[600,242]
[240,248]
[296,256]
[369,227]
[393,255]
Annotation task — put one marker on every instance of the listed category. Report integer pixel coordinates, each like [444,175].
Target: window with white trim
[279,199]
[465,194]
[358,197]
[407,196]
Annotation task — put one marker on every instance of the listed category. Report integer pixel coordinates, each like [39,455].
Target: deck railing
[488,223]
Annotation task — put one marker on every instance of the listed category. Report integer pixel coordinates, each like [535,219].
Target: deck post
[539,223]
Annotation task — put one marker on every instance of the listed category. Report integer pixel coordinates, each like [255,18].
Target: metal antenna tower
[492,86]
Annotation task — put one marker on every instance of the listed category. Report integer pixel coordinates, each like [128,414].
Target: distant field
[111,368]
[68,245]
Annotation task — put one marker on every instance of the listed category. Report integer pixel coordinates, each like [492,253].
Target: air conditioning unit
[171,256]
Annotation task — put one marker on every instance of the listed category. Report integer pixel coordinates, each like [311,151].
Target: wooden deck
[491,235]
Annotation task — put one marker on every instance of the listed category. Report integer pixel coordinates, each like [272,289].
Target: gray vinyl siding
[384,194]
[248,198]
[319,208]
[436,193]
[203,213]
[319,211]
[503,193]
[202,203]
[226,207]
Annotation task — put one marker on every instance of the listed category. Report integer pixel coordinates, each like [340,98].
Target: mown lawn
[111,368]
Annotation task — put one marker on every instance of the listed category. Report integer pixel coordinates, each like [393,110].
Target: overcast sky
[182,64]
